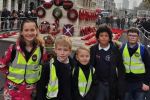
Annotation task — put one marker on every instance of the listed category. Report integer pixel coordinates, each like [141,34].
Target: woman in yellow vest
[21,63]
[84,80]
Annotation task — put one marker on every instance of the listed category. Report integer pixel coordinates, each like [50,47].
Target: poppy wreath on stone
[67,5]
[44,27]
[69,14]
[80,15]
[47,5]
[38,13]
[57,13]
[58,2]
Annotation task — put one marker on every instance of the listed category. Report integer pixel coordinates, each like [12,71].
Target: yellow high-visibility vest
[20,70]
[52,88]
[133,64]
[83,84]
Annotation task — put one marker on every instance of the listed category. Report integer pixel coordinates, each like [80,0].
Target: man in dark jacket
[145,25]
[107,60]
[118,22]
[5,14]
[122,23]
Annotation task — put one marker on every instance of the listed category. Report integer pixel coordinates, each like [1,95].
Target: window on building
[4,3]
[12,5]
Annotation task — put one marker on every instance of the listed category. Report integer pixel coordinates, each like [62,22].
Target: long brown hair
[37,39]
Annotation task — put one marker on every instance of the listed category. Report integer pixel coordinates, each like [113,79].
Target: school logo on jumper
[107,57]
[136,54]
[34,57]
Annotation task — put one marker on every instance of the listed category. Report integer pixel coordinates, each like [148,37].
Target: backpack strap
[92,69]
[13,53]
[75,70]
[42,49]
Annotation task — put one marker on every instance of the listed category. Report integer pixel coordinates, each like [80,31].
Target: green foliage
[146,3]
[140,7]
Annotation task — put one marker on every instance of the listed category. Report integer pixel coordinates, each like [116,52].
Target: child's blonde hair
[82,48]
[64,40]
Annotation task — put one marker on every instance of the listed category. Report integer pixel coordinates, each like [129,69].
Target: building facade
[110,6]
[100,4]
[28,5]
[25,5]
[119,5]
[125,4]
[134,4]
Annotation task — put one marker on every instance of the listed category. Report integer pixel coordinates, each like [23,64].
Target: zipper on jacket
[25,73]
[27,62]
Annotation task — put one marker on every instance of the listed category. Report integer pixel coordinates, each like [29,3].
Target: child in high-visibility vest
[136,61]
[21,63]
[84,80]
[55,82]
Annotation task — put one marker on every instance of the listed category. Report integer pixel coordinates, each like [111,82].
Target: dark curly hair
[104,28]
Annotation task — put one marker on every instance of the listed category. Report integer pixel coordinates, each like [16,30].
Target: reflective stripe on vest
[52,89]
[20,70]
[83,84]
[134,63]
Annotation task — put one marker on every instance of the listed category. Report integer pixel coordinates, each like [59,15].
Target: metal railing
[145,38]
[10,24]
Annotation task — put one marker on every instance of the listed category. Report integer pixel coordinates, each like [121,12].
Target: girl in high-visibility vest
[21,63]
[84,80]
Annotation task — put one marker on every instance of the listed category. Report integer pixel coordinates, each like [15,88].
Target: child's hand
[145,87]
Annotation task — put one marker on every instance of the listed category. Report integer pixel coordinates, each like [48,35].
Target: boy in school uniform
[107,60]
[84,80]
[55,82]
[136,61]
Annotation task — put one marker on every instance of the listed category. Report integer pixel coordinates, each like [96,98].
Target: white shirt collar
[61,62]
[106,48]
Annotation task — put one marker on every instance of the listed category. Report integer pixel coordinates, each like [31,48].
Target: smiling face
[29,31]
[83,56]
[62,53]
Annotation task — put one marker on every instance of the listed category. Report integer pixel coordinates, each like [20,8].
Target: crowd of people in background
[11,16]
[120,22]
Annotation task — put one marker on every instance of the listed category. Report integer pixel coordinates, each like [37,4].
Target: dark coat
[64,80]
[117,71]
[123,21]
[5,14]
[145,25]
[93,89]
[118,21]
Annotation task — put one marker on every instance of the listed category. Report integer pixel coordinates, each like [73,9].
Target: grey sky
[130,2]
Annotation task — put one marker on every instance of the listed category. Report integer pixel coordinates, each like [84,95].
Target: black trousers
[2,25]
